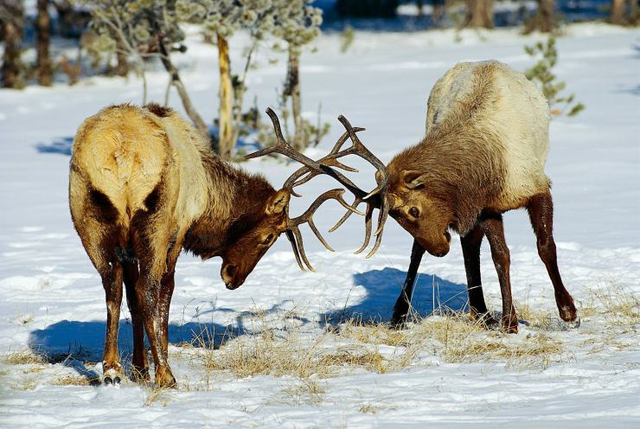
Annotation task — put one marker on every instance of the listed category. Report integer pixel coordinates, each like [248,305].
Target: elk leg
[140,365]
[471,243]
[148,293]
[493,228]
[401,307]
[112,283]
[540,209]
[148,290]
[168,284]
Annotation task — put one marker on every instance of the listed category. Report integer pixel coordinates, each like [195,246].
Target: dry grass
[23,357]
[455,338]
[156,395]
[303,392]
[75,380]
[618,306]
[27,383]
[278,354]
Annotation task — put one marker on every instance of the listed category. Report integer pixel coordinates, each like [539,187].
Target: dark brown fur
[456,178]
[237,216]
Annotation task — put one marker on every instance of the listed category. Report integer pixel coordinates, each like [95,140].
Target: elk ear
[278,203]
[379,177]
[412,179]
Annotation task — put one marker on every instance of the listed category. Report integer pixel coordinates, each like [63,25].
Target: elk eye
[268,239]
[414,212]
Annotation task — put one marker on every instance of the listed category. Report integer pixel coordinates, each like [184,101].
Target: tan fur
[511,110]
[143,185]
[485,146]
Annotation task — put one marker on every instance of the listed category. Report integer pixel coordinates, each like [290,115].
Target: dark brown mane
[158,110]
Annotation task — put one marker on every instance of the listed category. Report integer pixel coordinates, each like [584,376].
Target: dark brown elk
[486,143]
[143,186]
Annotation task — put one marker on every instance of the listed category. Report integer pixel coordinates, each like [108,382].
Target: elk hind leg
[101,236]
[540,209]
[140,364]
[494,230]
[151,244]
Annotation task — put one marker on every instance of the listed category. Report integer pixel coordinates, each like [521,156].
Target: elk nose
[227,273]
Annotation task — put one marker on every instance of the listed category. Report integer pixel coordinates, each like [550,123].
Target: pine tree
[479,14]
[13,69]
[544,19]
[44,67]
[542,76]
[297,24]
[142,29]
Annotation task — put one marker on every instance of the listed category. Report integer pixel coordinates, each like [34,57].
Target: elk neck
[233,194]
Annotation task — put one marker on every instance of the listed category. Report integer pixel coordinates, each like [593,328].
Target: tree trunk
[543,20]
[122,66]
[225,95]
[182,91]
[12,66]
[293,90]
[617,12]
[43,64]
[480,13]
[546,16]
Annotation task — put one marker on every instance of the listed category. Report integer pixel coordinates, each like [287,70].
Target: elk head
[252,234]
[426,217]
[403,196]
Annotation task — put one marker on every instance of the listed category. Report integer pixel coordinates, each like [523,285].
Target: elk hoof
[486,320]
[568,314]
[164,378]
[139,375]
[574,324]
[510,326]
[563,325]
[398,322]
[115,381]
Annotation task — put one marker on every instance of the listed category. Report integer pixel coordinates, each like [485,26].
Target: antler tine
[327,161]
[294,246]
[382,218]
[307,217]
[282,146]
[358,148]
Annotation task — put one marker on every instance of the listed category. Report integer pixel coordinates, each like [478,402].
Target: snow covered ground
[443,372]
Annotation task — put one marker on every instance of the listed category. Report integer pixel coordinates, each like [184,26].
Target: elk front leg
[540,209]
[140,365]
[112,283]
[403,303]
[493,228]
[471,251]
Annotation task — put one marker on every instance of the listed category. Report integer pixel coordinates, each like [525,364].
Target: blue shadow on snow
[383,288]
[60,146]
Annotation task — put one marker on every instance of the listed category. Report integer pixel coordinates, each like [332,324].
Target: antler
[311,168]
[293,230]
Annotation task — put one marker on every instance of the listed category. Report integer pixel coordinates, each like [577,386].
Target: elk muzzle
[230,276]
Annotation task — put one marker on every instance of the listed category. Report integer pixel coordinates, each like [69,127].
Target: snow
[52,300]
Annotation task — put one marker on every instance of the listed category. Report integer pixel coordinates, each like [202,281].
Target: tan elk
[486,144]
[143,186]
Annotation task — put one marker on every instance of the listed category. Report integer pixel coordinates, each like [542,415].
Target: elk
[143,186]
[486,144]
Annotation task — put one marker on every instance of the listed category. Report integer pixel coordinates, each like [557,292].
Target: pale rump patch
[517,116]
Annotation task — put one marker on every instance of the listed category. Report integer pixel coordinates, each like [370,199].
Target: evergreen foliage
[542,76]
